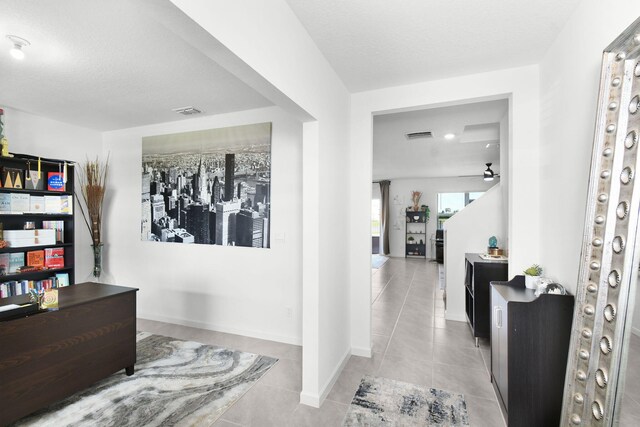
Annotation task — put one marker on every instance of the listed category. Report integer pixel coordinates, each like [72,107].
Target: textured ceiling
[380,43]
[109,65]
[395,157]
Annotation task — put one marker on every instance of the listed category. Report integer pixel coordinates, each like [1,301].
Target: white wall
[430,187]
[520,86]
[569,81]
[504,178]
[270,41]
[41,136]
[468,231]
[239,290]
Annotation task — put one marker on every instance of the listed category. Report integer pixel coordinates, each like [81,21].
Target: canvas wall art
[209,187]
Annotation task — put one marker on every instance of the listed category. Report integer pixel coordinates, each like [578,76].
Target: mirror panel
[605,294]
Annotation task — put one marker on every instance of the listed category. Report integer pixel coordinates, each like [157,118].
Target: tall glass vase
[97,261]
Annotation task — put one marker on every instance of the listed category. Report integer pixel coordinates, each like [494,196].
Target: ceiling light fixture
[488,174]
[449,135]
[18,43]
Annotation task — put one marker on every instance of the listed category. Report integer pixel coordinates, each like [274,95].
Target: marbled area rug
[176,383]
[384,402]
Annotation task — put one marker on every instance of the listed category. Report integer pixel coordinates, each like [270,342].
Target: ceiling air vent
[187,111]
[419,135]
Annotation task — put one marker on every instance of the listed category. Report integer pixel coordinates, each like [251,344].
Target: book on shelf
[52,204]
[20,202]
[63,279]
[55,181]
[37,204]
[66,204]
[54,257]
[16,260]
[4,264]
[22,287]
[5,203]
[33,180]
[35,258]
[12,178]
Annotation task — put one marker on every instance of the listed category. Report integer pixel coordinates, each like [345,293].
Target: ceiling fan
[487,175]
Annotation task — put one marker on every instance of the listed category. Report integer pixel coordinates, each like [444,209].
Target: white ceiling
[117,64]
[109,65]
[473,124]
[380,43]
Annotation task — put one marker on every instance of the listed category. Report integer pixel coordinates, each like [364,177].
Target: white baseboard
[315,400]
[222,328]
[308,399]
[361,351]
[635,331]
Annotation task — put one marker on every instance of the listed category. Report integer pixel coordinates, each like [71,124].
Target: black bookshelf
[17,220]
[416,234]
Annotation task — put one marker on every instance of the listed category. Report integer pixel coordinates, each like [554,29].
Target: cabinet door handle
[497,314]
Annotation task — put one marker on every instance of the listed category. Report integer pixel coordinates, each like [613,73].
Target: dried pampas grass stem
[93,180]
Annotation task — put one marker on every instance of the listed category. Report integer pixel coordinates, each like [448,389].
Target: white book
[37,204]
[52,204]
[20,202]
[66,205]
[5,202]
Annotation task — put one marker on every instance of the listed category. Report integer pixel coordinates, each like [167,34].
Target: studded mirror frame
[609,261]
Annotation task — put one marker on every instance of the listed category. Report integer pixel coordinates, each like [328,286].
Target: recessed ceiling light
[449,135]
[18,43]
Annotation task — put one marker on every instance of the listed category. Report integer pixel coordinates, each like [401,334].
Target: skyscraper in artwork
[215,192]
[198,222]
[226,222]
[229,176]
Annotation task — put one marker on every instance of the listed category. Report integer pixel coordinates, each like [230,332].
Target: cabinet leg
[129,370]
[477,342]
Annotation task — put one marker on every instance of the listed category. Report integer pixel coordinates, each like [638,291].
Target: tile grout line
[384,355]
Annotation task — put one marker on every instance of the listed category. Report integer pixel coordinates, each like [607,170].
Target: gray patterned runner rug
[176,383]
[381,402]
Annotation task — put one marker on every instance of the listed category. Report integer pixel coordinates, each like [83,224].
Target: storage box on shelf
[416,234]
[36,213]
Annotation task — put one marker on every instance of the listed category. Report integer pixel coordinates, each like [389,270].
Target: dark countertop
[81,293]
[68,296]
[473,258]
[514,293]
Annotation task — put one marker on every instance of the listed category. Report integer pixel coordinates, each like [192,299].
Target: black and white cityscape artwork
[210,187]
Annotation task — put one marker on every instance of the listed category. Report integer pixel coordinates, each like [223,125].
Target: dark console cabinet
[529,347]
[49,355]
[478,273]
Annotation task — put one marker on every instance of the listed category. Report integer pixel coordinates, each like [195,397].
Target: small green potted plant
[411,240]
[532,276]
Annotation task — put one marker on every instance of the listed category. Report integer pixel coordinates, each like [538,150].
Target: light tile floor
[411,342]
